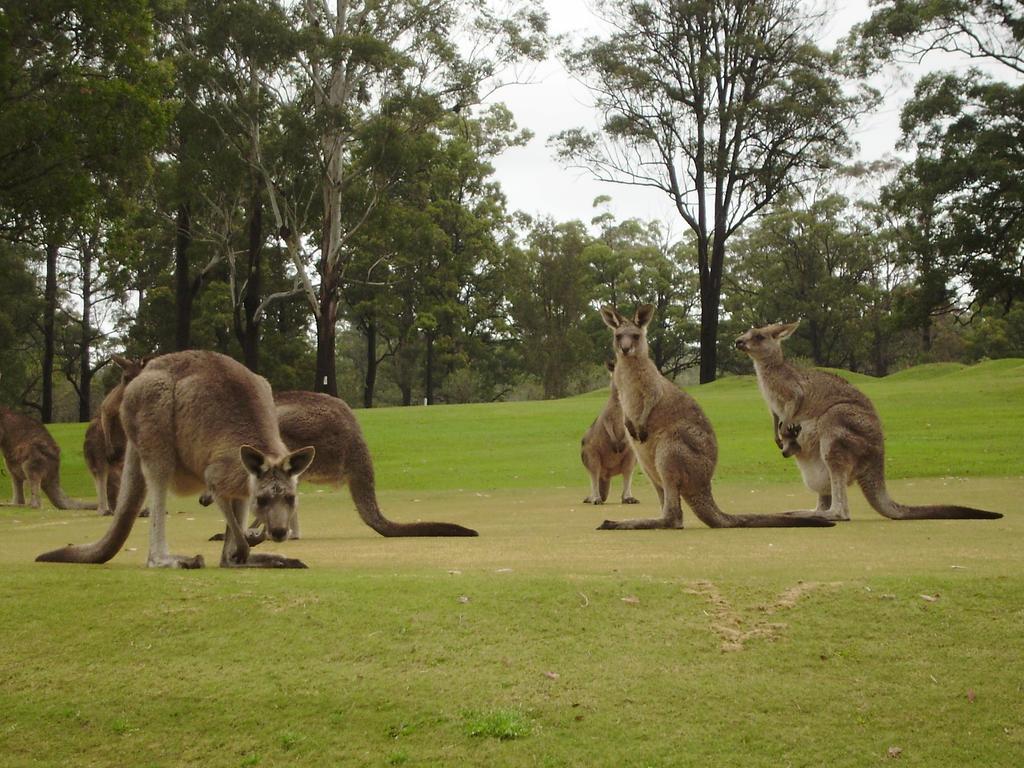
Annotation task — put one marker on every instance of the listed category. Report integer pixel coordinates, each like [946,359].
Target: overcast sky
[534,181]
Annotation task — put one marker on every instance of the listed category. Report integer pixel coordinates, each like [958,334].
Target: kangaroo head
[766,341]
[790,444]
[272,484]
[130,366]
[630,336]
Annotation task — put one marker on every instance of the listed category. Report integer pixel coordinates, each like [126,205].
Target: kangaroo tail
[129,502]
[706,508]
[60,499]
[363,489]
[872,483]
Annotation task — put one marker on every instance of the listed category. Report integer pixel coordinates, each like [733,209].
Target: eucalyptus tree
[80,112]
[635,262]
[964,183]
[550,291]
[814,261]
[355,58]
[720,104]
[20,335]
[426,276]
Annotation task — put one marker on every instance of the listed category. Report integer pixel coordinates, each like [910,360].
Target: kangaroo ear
[785,330]
[298,461]
[122,362]
[644,313]
[611,317]
[610,365]
[253,460]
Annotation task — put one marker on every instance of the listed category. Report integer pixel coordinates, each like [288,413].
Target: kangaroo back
[310,418]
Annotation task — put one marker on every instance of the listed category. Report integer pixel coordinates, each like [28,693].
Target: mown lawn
[546,642]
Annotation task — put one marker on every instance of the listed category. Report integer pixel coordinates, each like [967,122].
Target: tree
[810,262]
[633,263]
[966,178]
[550,304]
[720,104]
[20,305]
[80,110]
[357,64]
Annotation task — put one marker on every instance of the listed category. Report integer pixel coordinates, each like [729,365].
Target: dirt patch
[735,628]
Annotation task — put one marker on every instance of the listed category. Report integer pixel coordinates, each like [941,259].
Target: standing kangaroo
[199,420]
[32,454]
[837,432]
[672,437]
[105,440]
[606,452]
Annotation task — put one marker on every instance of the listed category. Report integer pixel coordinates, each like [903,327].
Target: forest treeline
[309,188]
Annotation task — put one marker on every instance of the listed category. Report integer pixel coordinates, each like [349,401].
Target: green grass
[545,642]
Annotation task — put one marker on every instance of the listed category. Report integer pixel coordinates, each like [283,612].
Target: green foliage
[80,105]
[20,306]
[737,122]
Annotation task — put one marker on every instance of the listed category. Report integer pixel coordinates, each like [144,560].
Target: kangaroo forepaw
[255,536]
[631,428]
[641,433]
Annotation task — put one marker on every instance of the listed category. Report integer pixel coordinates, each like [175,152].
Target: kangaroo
[32,454]
[105,439]
[840,434]
[342,456]
[672,437]
[790,440]
[199,420]
[605,451]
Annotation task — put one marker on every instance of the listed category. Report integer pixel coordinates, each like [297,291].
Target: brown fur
[199,420]
[672,437]
[32,454]
[105,441]
[840,435]
[342,456]
[605,452]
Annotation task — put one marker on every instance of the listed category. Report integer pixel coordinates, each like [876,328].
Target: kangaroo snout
[279,534]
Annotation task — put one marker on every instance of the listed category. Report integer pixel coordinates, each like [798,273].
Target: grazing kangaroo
[672,437]
[606,452]
[342,456]
[840,434]
[32,454]
[105,440]
[199,420]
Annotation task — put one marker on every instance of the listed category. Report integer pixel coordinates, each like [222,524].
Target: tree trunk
[84,363]
[326,341]
[710,302]
[183,291]
[250,331]
[428,392]
[49,312]
[371,364]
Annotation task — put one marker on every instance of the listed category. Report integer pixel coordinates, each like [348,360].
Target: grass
[546,642]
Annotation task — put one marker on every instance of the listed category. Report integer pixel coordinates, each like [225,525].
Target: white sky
[535,182]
